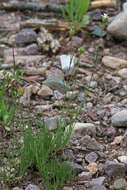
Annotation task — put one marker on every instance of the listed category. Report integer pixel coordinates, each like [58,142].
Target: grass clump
[41,152]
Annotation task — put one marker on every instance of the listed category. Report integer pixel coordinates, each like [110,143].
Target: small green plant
[75,12]
[40,152]
[8,97]
[6,113]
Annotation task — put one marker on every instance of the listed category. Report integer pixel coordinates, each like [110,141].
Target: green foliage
[75,12]
[40,151]
[6,113]
[8,88]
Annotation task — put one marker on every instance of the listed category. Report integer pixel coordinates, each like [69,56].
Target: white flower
[105,16]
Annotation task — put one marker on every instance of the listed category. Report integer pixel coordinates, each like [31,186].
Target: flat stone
[81,129]
[98,187]
[114,62]
[118,27]
[84,176]
[120,119]
[51,123]
[32,187]
[98,181]
[42,108]
[123,159]
[16,188]
[91,157]
[26,36]
[120,184]
[114,169]
[75,167]
[94,145]
[67,188]
[123,73]
[55,84]
[10,21]
[45,92]
[93,168]
[55,73]
[24,60]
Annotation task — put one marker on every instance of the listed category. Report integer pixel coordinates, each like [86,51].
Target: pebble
[51,123]
[67,188]
[32,187]
[75,167]
[45,92]
[125,87]
[120,119]
[93,168]
[118,27]
[114,62]
[98,181]
[113,169]
[55,84]
[122,159]
[91,157]
[98,187]
[42,108]
[84,176]
[120,184]
[26,36]
[123,73]
[81,129]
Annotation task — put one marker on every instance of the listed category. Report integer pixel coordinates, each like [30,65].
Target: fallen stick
[103,3]
[23,6]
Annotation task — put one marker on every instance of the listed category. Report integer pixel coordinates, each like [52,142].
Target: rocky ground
[98,146]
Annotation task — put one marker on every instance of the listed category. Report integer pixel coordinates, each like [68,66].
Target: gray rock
[55,73]
[42,108]
[114,169]
[111,131]
[122,93]
[123,73]
[32,187]
[94,145]
[76,41]
[120,184]
[123,159]
[118,26]
[120,119]
[98,187]
[45,92]
[31,49]
[75,167]
[56,84]
[98,181]
[125,87]
[16,188]
[91,157]
[124,6]
[58,95]
[26,36]
[84,176]
[115,110]
[81,129]
[114,62]
[51,123]
[68,154]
